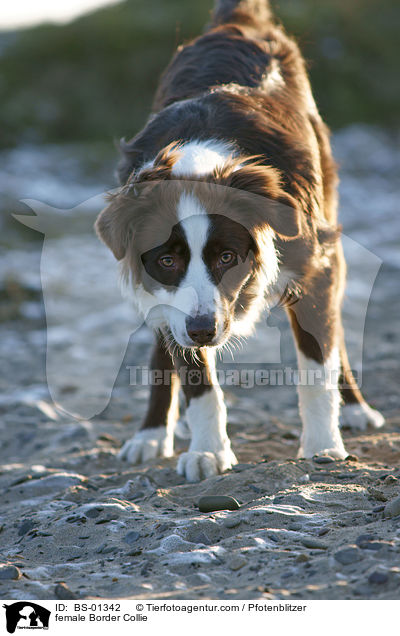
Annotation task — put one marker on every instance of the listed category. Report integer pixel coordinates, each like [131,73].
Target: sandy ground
[77,522]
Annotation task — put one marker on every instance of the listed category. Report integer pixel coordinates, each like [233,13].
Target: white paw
[147,444]
[359,416]
[197,465]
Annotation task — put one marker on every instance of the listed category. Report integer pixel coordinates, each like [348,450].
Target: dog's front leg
[210,449]
[315,321]
[156,436]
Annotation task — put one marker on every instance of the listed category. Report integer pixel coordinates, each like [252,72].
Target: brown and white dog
[229,204]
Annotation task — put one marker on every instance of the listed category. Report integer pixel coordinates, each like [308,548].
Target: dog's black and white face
[200,251]
[194,279]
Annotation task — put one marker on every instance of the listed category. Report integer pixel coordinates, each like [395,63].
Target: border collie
[228,204]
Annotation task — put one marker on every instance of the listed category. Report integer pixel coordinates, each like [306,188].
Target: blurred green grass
[94,79]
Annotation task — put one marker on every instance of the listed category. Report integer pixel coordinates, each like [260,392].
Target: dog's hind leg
[210,449]
[355,412]
[156,436]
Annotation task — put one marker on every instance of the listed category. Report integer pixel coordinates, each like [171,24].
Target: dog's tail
[255,13]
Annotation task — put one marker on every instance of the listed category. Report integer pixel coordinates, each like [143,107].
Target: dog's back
[241,47]
[243,80]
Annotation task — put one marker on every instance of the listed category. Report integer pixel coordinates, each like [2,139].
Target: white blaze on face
[196,294]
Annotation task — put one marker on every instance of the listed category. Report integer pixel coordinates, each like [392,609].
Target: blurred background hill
[92,80]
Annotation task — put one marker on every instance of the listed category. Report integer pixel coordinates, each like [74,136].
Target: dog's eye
[226,258]
[167,261]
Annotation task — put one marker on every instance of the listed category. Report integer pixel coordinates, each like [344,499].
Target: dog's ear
[284,216]
[114,225]
[270,205]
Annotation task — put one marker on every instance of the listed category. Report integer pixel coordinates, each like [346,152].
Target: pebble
[302,558]
[315,544]
[52,484]
[232,521]
[295,526]
[106,549]
[236,563]
[175,543]
[392,508]
[92,513]
[378,578]
[290,435]
[201,538]
[25,526]
[350,554]
[389,480]
[239,468]
[210,503]
[8,572]
[364,538]
[377,494]
[323,459]
[63,593]
[318,476]
[131,537]
[378,509]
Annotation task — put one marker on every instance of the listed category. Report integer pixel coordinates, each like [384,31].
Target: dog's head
[199,251]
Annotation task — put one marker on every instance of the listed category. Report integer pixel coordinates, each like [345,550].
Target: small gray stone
[348,555]
[314,544]
[63,593]
[377,494]
[323,459]
[232,521]
[389,480]
[8,572]
[201,538]
[378,578]
[92,513]
[236,562]
[364,538]
[210,503]
[25,527]
[131,537]
[295,526]
[239,468]
[175,543]
[377,509]
[392,508]
[107,549]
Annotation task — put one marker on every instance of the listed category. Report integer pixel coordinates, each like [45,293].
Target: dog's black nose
[201,329]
